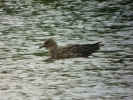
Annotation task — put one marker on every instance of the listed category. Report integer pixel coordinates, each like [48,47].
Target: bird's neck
[52,50]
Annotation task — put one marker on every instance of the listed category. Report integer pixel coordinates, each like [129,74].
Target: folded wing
[79,50]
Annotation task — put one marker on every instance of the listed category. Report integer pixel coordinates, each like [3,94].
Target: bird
[70,50]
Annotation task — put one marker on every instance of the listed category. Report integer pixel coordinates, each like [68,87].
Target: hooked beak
[41,46]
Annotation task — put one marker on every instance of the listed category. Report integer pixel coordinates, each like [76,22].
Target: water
[27,74]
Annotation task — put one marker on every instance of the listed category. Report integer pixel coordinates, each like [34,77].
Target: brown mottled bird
[69,51]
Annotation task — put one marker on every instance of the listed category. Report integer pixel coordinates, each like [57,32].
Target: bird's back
[78,50]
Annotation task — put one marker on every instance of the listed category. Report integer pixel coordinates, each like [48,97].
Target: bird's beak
[41,46]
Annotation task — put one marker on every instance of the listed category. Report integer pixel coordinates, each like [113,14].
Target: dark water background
[25,74]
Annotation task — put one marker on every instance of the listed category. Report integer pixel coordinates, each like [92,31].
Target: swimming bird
[69,51]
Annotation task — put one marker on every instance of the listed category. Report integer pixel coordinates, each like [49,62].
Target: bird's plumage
[69,51]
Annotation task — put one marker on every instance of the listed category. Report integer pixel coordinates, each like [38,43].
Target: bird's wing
[79,50]
[69,48]
[75,49]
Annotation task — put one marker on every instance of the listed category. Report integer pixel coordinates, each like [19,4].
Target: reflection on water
[27,72]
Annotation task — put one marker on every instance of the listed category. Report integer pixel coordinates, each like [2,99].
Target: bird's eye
[46,42]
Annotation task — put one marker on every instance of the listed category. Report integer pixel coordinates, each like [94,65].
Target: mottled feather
[69,51]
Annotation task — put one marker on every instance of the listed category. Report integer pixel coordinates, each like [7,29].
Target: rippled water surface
[27,74]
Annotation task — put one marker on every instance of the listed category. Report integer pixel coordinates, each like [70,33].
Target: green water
[27,74]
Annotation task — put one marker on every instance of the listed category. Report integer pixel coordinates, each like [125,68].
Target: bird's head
[48,43]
